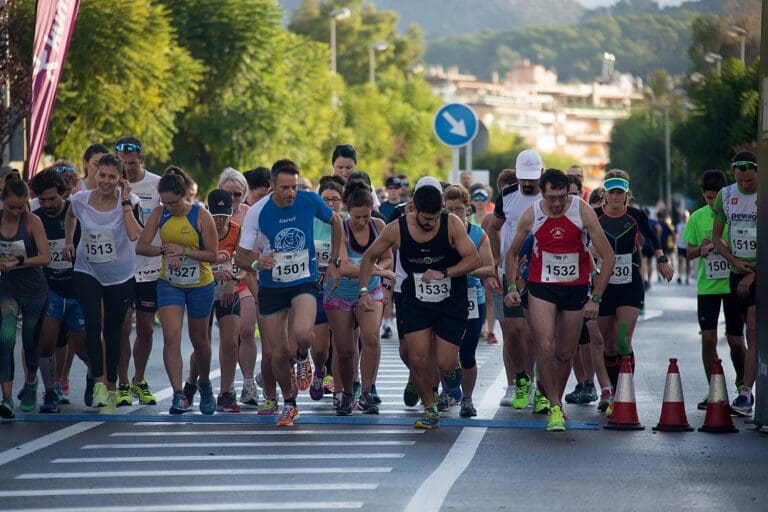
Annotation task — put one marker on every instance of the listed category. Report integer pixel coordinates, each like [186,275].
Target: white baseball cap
[528,165]
[429,181]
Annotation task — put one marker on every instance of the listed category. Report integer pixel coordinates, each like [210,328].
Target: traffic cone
[673,417]
[718,419]
[624,415]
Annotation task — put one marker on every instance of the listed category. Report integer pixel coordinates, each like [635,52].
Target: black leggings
[117,299]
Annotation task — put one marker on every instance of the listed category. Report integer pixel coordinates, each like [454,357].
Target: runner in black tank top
[437,254]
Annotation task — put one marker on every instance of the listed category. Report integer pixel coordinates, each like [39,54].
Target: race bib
[472,306]
[187,273]
[99,246]
[744,241]
[716,266]
[57,258]
[622,270]
[290,266]
[559,268]
[323,251]
[437,290]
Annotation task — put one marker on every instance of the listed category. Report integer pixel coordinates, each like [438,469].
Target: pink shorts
[334,303]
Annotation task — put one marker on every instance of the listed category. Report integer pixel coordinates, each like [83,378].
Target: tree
[16,22]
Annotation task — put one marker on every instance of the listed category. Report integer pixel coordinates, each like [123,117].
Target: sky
[603,3]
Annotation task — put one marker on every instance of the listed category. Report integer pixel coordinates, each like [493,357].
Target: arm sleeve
[645,228]
[718,212]
[498,209]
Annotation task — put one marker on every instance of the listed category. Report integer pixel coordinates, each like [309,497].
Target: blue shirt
[477,235]
[287,232]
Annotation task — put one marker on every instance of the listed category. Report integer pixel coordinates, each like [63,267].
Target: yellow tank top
[184,231]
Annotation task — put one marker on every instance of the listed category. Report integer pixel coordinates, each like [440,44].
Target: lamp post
[337,14]
[742,35]
[372,49]
[716,59]
[667,159]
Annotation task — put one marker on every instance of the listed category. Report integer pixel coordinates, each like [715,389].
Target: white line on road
[203,472]
[45,441]
[214,433]
[211,458]
[259,444]
[212,507]
[176,490]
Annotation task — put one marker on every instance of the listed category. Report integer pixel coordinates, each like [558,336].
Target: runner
[144,185]
[683,260]
[437,254]
[63,307]
[518,342]
[281,225]
[712,285]
[258,184]
[558,280]
[188,236]
[625,295]
[457,202]
[90,160]
[104,269]
[23,292]
[736,207]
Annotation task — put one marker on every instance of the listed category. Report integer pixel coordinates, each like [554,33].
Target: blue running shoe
[50,402]
[207,401]
[375,394]
[741,406]
[180,404]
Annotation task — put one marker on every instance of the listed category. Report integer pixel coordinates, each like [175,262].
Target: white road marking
[25,449]
[212,507]
[213,433]
[202,472]
[224,489]
[249,457]
[263,444]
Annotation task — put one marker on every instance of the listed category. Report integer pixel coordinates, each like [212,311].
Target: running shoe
[207,402]
[609,409]
[556,420]
[63,399]
[180,404]
[6,408]
[28,397]
[484,335]
[88,395]
[430,419]
[189,393]
[509,394]
[357,389]
[111,407]
[250,393]
[50,402]
[124,395]
[303,374]
[702,406]
[375,394]
[467,408]
[367,405]
[445,401]
[410,396]
[65,388]
[540,403]
[316,388]
[576,396]
[268,407]
[590,392]
[522,390]
[492,339]
[346,404]
[606,399]
[141,391]
[740,406]
[328,384]
[387,333]
[227,402]
[99,395]
[288,415]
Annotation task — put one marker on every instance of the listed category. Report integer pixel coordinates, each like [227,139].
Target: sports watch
[596,298]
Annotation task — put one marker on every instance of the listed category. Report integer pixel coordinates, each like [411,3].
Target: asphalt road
[142,459]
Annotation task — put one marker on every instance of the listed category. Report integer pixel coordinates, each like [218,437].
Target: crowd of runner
[324,274]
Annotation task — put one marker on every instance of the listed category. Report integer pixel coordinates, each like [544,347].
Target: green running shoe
[540,403]
[142,392]
[124,395]
[410,396]
[99,395]
[430,420]
[556,420]
[28,397]
[6,409]
[522,390]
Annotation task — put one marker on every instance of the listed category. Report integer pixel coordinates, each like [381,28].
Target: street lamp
[742,35]
[716,59]
[372,49]
[336,14]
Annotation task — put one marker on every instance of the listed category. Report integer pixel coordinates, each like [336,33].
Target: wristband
[255,265]
[362,291]
[512,287]
[21,260]
[126,202]
[186,252]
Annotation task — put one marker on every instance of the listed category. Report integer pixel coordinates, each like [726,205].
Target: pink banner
[53,30]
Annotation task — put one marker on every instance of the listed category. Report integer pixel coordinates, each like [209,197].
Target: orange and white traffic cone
[673,417]
[624,415]
[718,419]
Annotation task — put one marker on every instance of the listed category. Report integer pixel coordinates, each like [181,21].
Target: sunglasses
[744,165]
[236,194]
[65,168]
[127,147]
[405,184]
[332,200]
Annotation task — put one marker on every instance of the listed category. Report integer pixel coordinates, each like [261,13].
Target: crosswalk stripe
[212,458]
[258,444]
[203,472]
[212,507]
[176,490]
[214,433]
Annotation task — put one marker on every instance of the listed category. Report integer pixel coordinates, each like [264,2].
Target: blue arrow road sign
[455,125]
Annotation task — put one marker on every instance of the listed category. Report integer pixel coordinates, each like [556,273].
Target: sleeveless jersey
[58,272]
[739,211]
[184,232]
[22,282]
[349,288]
[225,257]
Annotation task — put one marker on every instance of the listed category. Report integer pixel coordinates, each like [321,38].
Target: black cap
[220,202]
[392,181]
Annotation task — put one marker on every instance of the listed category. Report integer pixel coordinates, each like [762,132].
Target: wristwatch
[337,262]
[662,259]
[596,298]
